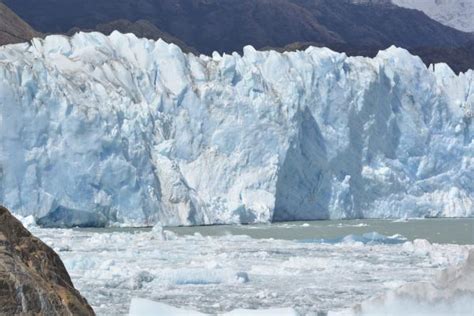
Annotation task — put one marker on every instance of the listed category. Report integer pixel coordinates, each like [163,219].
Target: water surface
[435,230]
[216,269]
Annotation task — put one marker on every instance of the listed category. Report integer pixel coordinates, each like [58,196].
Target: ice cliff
[96,130]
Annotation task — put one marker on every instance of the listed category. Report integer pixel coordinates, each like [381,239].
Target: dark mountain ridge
[141,28]
[228,25]
[12,28]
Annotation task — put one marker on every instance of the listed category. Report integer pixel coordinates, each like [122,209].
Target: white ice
[215,275]
[98,130]
[143,307]
[451,292]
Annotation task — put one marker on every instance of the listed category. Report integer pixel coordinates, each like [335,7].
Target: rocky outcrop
[33,279]
[357,27]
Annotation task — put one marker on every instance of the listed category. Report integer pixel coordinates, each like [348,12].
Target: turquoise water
[435,230]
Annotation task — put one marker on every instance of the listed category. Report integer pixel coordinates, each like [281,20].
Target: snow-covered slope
[97,130]
[458,14]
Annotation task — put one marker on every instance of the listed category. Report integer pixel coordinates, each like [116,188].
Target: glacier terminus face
[102,130]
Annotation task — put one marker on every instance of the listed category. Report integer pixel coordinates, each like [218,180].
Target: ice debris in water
[140,278]
[158,232]
[136,132]
[367,238]
[242,277]
[451,292]
[209,271]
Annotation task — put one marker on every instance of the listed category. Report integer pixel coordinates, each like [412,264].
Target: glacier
[102,130]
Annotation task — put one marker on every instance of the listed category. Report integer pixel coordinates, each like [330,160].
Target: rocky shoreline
[33,279]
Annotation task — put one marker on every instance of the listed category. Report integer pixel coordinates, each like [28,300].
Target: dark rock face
[13,29]
[33,279]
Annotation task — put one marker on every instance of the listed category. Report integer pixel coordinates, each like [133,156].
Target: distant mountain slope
[455,13]
[229,25]
[12,28]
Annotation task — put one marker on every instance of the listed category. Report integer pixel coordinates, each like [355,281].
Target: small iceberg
[143,307]
[366,239]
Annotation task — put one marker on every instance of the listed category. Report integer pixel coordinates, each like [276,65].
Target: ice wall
[96,130]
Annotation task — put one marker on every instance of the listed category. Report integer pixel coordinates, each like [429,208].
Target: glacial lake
[436,230]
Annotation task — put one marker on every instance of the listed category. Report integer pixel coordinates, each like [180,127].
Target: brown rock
[13,29]
[33,279]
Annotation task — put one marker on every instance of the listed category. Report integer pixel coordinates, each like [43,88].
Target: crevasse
[100,130]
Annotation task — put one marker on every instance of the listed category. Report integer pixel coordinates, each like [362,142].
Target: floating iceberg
[372,238]
[143,307]
[98,130]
